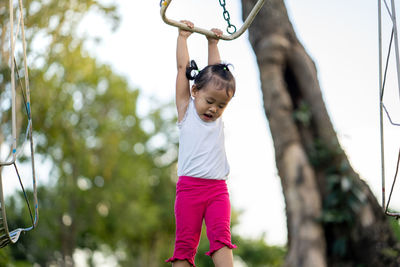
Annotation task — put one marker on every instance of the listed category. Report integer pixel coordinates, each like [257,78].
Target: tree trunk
[333,218]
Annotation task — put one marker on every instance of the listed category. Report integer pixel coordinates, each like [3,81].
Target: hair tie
[192,70]
[193,65]
[226,68]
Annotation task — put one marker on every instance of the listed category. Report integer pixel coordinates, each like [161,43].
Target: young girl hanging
[201,191]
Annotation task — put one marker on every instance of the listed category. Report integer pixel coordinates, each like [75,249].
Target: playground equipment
[231,29]
[382,108]
[17,151]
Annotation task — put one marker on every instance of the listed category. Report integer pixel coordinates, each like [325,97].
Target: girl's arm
[182,95]
[213,53]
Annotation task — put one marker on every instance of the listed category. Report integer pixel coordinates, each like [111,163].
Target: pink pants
[198,199]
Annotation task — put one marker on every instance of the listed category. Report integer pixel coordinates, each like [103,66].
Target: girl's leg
[218,218]
[189,210]
[180,263]
[223,257]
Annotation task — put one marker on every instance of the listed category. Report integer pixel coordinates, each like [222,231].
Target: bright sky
[342,38]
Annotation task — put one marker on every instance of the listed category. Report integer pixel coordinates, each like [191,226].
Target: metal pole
[13,112]
[380,101]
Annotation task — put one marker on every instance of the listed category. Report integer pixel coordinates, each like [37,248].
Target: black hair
[219,74]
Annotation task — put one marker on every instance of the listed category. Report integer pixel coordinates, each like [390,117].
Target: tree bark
[333,218]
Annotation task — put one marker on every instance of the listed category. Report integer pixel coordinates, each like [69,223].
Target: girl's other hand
[185,33]
[218,34]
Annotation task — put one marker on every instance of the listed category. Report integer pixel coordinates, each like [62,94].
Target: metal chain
[231,28]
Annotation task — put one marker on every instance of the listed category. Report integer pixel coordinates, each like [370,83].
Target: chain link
[231,28]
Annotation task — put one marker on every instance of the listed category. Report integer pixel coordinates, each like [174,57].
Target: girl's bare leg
[180,263]
[223,257]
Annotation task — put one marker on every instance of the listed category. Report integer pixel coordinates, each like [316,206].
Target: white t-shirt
[201,147]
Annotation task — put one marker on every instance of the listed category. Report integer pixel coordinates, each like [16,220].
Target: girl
[201,191]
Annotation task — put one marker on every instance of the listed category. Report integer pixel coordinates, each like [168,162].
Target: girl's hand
[214,40]
[185,33]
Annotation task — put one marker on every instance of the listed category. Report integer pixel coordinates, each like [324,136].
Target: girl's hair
[219,74]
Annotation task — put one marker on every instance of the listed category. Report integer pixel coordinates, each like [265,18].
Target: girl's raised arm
[213,52]
[182,95]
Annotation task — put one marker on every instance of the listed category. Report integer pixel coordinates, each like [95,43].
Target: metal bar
[380,102]
[13,95]
[246,23]
[28,100]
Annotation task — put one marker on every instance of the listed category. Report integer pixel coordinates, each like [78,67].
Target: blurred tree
[112,177]
[332,216]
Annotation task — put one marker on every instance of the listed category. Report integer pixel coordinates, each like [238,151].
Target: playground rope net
[383,109]
[21,118]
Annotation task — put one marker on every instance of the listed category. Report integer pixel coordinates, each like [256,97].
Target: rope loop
[231,29]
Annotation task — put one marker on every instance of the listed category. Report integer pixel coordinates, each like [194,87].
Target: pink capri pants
[198,199]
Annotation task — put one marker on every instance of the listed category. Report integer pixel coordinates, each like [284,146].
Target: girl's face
[210,102]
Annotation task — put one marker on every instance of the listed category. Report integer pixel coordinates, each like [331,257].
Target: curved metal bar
[164,5]
[393,214]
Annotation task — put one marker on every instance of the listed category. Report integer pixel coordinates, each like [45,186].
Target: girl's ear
[194,90]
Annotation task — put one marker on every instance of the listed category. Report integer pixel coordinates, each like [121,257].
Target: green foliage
[343,201]
[303,114]
[256,253]
[253,252]
[340,206]
[394,223]
[342,197]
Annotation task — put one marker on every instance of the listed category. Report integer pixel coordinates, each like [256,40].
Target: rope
[388,115]
[386,66]
[394,181]
[24,192]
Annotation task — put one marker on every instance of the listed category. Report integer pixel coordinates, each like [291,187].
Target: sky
[342,39]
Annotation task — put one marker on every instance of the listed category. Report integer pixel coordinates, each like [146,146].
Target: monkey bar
[165,3]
